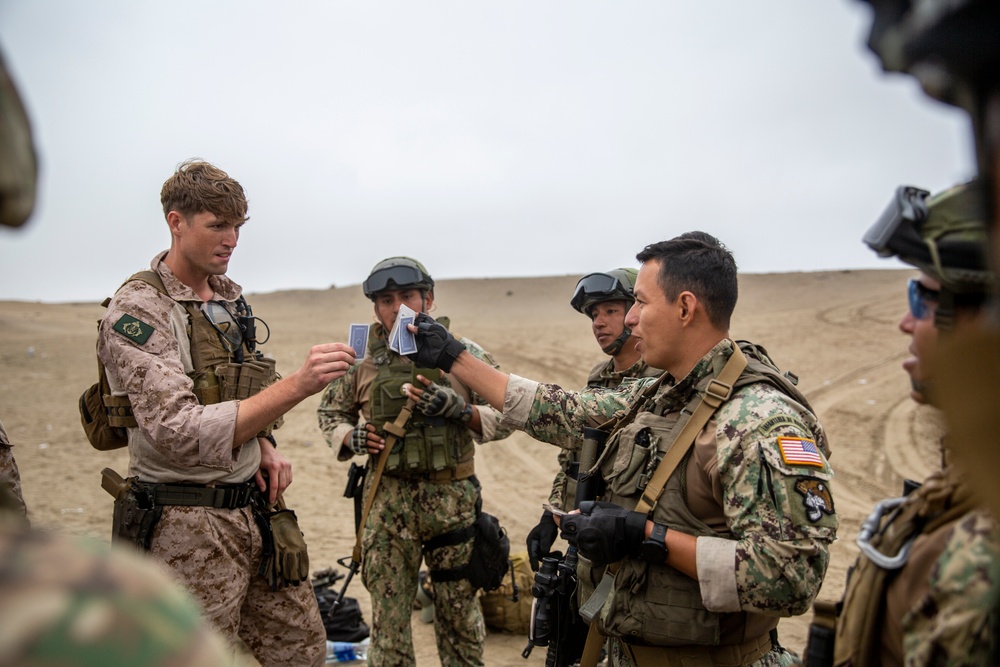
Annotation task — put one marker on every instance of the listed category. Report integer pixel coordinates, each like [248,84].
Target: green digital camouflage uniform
[75,601]
[936,608]
[602,375]
[766,519]
[407,512]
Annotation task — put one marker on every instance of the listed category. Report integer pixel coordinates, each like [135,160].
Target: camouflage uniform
[73,601]
[601,375]
[180,440]
[407,512]
[936,608]
[763,531]
[9,475]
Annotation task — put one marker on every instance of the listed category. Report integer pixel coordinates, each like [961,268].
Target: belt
[730,655]
[222,496]
[462,471]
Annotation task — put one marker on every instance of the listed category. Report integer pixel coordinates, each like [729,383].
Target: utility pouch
[822,635]
[592,607]
[135,515]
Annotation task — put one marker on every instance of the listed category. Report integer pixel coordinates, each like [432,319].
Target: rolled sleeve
[518,400]
[716,562]
[215,437]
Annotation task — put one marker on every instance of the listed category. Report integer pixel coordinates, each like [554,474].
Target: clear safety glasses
[224,324]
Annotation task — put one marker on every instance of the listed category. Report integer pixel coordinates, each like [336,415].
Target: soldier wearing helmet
[605,298]
[428,495]
[923,586]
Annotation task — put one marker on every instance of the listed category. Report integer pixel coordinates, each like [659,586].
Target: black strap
[230,496]
[451,538]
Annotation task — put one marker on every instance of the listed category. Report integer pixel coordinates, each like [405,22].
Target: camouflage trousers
[10,478]
[216,554]
[406,513]
[619,656]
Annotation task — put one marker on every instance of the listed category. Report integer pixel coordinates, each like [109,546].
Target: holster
[135,514]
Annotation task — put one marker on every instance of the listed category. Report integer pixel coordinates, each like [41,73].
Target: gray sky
[515,138]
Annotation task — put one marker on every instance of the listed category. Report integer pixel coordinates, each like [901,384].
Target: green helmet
[950,46]
[593,288]
[397,273]
[944,236]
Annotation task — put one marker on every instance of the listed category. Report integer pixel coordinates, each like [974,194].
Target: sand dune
[835,330]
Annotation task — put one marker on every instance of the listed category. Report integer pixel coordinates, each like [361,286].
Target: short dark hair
[697,262]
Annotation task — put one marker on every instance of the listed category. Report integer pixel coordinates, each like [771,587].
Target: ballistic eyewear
[222,320]
[599,285]
[899,222]
[398,275]
[920,296]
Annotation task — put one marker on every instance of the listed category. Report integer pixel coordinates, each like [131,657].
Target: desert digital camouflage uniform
[75,601]
[10,478]
[407,512]
[764,525]
[180,440]
[937,608]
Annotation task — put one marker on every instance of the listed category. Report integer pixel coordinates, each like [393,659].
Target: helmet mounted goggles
[597,287]
[397,273]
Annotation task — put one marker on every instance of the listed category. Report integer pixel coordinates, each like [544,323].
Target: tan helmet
[614,285]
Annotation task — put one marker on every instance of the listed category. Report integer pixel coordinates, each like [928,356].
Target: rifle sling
[395,431]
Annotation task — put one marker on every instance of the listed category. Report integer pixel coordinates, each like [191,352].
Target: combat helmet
[614,285]
[945,237]
[397,273]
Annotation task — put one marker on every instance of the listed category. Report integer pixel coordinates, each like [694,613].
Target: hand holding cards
[401,340]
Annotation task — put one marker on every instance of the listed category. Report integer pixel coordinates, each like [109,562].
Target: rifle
[555,622]
[394,431]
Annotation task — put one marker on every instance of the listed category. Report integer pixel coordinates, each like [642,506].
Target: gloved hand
[604,532]
[438,401]
[358,439]
[436,347]
[541,538]
[290,562]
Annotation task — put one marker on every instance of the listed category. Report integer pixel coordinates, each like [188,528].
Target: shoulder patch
[816,497]
[135,330]
[800,452]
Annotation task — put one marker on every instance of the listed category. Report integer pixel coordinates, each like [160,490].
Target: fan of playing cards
[401,341]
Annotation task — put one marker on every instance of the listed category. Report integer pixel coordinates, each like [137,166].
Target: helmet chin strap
[616,345]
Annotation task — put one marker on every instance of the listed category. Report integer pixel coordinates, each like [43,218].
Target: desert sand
[835,330]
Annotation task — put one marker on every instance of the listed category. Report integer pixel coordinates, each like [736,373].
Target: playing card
[394,337]
[358,339]
[407,341]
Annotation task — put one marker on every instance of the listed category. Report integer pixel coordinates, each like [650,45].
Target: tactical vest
[216,374]
[431,444]
[643,591]
[941,500]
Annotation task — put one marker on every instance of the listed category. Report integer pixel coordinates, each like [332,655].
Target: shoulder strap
[147,276]
[718,391]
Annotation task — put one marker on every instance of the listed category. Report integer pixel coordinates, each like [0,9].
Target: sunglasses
[920,296]
[224,324]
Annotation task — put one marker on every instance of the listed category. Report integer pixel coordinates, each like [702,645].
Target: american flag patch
[800,452]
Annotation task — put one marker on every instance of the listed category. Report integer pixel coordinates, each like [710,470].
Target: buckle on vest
[717,393]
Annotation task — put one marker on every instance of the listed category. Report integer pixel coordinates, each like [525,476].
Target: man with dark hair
[717,515]
[178,343]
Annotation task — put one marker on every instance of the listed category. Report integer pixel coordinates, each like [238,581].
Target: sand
[835,330]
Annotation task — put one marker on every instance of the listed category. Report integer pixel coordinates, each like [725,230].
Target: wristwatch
[653,549]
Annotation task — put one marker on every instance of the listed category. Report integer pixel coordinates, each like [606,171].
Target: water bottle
[346,651]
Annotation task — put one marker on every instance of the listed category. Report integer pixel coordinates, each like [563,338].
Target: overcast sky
[514,138]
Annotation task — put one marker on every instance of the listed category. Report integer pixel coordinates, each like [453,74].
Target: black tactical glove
[541,538]
[436,348]
[438,401]
[290,562]
[359,439]
[604,532]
